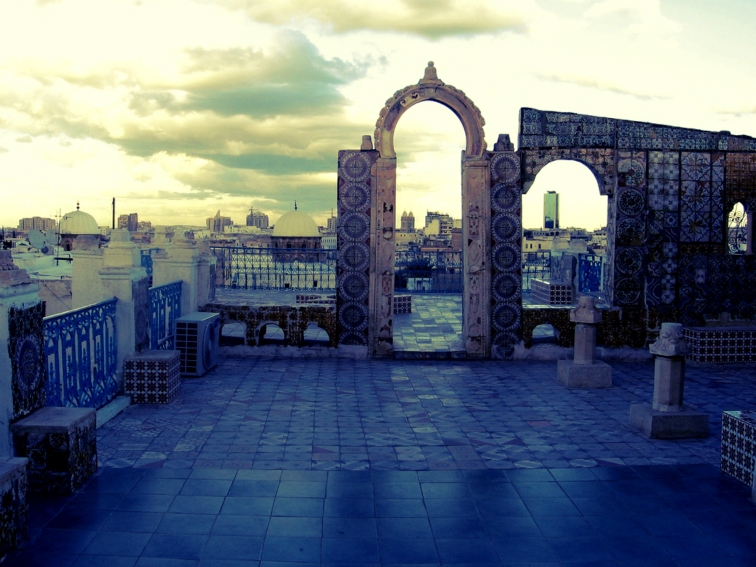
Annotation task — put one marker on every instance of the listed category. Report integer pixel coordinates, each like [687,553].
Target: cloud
[3,150]
[640,17]
[600,85]
[431,19]
[24,139]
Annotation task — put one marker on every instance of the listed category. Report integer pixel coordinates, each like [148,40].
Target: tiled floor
[435,324]
[282,462]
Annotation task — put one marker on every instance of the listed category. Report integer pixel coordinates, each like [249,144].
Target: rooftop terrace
[281,461]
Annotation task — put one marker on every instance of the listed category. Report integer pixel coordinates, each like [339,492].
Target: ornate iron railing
[589,272]
[437,271]
[297,269]
[80,353]
[165,308]
[535,265]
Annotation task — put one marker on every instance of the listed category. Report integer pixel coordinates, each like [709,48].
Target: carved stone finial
[670,342]
[503,144]
[430,75]
[367,143]
[586,311]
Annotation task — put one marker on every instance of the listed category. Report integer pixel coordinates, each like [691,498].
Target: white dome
[296,224]
[78,222]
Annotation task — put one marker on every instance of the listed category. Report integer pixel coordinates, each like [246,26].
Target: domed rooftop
[78,222]
[296,224]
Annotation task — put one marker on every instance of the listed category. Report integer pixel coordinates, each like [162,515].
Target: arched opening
[233,333]
[545,334]
[739,230]
[428,237]
[270,334]
[564,243]
[315,336]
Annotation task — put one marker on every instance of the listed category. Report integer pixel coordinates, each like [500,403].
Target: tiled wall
[739,444]
[721,344]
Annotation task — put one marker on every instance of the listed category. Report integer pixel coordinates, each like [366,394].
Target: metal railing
[535,265]
[165,308]
[296,269]
[80,354]
[428,272]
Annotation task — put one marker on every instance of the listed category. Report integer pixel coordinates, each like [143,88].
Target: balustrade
[80,353]
[165,308]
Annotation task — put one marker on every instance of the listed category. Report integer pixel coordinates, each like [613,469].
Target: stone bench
[61,447]
[739,445]
[152,376]
[14,511]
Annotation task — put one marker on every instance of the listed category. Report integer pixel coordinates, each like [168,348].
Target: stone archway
[367,220]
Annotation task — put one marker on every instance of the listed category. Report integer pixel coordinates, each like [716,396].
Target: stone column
[584,371]
[205,274]
[124,277]
[180,262]
[86,285]
[667,417]
[22,370]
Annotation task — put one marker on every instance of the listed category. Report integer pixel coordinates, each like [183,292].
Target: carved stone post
[180,262]
[667,417]
[585,371]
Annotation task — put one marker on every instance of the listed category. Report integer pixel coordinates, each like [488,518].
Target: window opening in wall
[428,263]
[315,335]
[233,334]
[564,240]
[545,334]
[271,334]
[739,230]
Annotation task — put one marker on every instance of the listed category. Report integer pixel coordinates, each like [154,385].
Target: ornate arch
[600,162]
[430,87]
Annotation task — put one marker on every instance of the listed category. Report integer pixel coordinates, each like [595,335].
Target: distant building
[36,223]
[218,223]
[257,219]
[408,222]
[296,229]
[551,209]
[331,224]
[77,223]
[129,222]
[438,224]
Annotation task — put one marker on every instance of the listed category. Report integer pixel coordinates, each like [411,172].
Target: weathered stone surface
[669,383]
[685,424]
[670,342]
[14,511]
[595,375]
[61,446]
[586,311]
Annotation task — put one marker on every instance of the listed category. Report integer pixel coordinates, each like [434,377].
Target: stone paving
[279,462]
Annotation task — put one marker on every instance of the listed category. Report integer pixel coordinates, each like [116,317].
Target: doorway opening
[564,240]
[428,236]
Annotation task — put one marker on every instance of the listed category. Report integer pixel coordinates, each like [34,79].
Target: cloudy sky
[180,108]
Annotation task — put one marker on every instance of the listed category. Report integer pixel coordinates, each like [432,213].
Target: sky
[180,108]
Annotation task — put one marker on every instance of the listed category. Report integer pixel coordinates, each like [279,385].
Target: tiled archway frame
[476,220]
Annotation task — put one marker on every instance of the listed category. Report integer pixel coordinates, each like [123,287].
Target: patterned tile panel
[739,445]
[506,253]
[26,349]
[353,269]
[14,513]
[152,376]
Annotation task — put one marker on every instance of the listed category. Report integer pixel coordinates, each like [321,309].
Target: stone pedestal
[61,446]
[153,376]
[667,417]
[584,371]
[14,512]
[182,261]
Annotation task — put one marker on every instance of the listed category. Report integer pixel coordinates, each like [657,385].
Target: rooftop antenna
[113,213]
[295,205]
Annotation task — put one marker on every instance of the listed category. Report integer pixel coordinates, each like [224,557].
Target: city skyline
[179,108]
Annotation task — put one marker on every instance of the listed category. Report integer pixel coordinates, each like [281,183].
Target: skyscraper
[551,209]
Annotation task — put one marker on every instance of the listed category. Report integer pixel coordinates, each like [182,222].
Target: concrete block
[685,424]
[594,375]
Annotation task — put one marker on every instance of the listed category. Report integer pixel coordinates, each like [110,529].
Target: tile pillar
[22,371]
[667,417]
[584,371]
